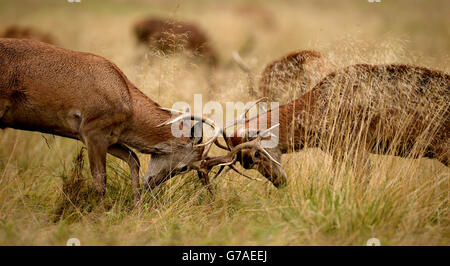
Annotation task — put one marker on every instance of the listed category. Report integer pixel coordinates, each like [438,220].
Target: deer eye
[184,169]
[257,155]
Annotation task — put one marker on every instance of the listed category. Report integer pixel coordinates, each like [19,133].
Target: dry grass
[405,201]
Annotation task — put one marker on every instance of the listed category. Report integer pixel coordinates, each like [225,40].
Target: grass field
[406,201]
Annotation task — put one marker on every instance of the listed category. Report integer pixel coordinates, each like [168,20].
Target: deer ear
[197,133]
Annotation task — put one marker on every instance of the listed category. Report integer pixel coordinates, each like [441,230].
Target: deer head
[175,158]
[266,161]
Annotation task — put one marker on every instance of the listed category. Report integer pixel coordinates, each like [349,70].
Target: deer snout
[280,182]
[275,174]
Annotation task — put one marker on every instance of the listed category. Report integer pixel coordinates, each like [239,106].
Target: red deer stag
[168,36]
[391,109]
[86,97]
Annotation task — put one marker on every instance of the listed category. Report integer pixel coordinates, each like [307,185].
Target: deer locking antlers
[206,163]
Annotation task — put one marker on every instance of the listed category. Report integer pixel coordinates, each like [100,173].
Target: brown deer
[391,109]
[288,77]
[86,97]
[23,32]
[169,36]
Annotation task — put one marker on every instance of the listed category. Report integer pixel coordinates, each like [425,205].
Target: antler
[207,163]
[187,115]
[231,157]
[240,62]
[243,117]
[217,130]
[255,144]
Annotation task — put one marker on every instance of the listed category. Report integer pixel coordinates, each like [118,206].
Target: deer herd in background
[86,97]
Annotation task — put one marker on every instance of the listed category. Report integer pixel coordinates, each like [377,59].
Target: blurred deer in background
[289,77]
[169,36]
[22,32]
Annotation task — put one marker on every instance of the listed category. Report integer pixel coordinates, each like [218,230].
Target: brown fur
[86,97]
[405,105]
[22,32]
[168,36]
[292,75]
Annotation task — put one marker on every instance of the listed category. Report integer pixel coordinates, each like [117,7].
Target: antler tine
[242,117]
[220,171]
[208,143]
[229,163]
[172,110]
[241,173]
[249,145]
[217,133]
[262,133]
[237,58]
[244,114]
[268,155]
[253,144]
[232,167]
[185,116]
[218,144]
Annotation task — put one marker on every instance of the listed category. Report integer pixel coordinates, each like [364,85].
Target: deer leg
[98,135]
[204,178]
[97,163]
[97,146]
[124,153]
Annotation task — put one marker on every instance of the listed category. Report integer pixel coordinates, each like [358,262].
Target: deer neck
[299,123]
[142,131]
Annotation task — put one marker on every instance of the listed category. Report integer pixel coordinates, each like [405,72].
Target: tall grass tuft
[78,195]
